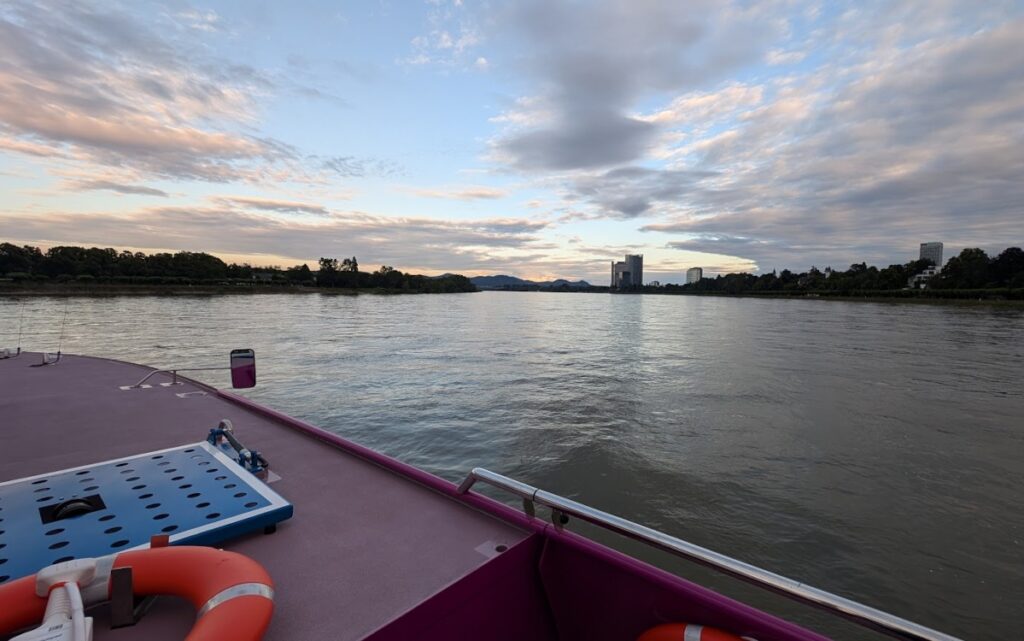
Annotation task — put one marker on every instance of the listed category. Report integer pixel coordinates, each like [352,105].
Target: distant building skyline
[628,273]
[933,252]
[694,274]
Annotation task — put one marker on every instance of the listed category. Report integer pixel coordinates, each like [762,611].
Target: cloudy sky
[538,138]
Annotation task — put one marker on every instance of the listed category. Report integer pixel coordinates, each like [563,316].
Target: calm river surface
[876,451]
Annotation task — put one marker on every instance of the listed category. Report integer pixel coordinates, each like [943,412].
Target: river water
[872,450]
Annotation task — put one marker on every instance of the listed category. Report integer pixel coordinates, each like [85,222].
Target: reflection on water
[876,451]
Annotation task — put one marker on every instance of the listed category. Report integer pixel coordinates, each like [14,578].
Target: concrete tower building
[694,274]
[628,273]
[933,252]
[635,265]
[618,273]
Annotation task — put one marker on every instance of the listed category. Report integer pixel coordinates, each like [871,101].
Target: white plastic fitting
[64,619]
[80,571]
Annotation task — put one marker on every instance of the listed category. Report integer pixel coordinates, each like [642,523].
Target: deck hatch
[193,493]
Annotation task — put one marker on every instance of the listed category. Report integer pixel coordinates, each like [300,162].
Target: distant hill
[493,282]
[502,281]
[561,282]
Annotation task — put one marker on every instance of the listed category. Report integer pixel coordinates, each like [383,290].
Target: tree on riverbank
[69,264]
[971,270]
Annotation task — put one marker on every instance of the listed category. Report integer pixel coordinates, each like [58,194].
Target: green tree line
[65,264]
[972,269]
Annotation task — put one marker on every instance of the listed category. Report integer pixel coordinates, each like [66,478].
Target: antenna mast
[63,322]
[21,324]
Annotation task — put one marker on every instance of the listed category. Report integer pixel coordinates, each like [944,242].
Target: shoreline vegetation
[971,274]
[971,278]
[100,290]
[73,271]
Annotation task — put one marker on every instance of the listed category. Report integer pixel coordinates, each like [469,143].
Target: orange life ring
[232,593]
[688,632]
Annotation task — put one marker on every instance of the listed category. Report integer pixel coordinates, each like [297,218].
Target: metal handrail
[174,374]
[866,616]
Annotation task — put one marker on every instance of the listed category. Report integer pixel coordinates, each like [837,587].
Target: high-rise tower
[933,252]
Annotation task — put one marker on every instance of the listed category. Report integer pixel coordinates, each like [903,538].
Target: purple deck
[376,549]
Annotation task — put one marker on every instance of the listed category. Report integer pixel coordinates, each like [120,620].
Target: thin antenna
[60,341]
[48,355]
[63,322]
[21,324]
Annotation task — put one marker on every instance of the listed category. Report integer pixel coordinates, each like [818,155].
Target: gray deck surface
[364,545]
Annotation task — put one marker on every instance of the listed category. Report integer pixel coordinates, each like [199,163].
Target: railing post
[466,484]
[559,518]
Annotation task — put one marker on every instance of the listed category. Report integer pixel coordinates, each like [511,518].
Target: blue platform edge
[194,493]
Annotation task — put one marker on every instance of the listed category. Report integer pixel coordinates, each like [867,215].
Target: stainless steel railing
[562,507]
[173,373]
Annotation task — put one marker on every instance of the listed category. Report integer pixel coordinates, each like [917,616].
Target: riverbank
[101,290]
